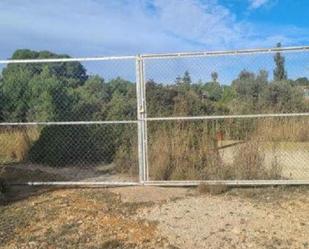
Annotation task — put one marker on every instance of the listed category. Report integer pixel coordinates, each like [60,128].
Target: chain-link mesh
[182,89]
[68,121]
[77,121]
[86,153]
[229,149]
[227,84]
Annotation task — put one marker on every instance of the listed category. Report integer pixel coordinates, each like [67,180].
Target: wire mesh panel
[235,115]
[229,149]
[227,84]
[68,120]
[75,153]
[228,116]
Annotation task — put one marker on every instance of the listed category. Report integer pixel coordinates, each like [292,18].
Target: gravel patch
[151,194]
[231,221]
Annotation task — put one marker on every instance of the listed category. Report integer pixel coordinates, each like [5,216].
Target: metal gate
[187,125]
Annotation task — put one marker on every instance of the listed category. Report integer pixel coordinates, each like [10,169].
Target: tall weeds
[184,151]
[16,143]
[190,151]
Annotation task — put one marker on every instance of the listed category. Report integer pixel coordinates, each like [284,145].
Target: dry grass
[15,144]
[249,162]
[190,151]
[283,129]
[184,151]
[126,158]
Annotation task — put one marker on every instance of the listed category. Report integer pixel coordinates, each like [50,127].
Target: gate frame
[145,119]
[142,119]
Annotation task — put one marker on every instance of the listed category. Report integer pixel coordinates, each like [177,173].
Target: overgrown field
[269,148]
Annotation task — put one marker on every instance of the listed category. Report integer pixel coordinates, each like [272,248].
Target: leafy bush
[65,145]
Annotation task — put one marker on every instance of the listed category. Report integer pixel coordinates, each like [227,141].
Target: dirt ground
[152,217]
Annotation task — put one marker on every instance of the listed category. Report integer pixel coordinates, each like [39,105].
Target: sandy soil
[151,194]
[293,157]
[86,173]
[271,220]
[151,217]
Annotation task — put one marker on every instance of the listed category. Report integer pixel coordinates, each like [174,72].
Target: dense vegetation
[65,92]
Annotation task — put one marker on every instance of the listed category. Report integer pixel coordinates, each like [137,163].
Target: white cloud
[254,4]
[96,27]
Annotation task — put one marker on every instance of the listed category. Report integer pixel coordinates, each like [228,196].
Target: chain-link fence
[237,117]
[69,121]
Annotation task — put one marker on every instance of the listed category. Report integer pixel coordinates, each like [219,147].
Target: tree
[281,96]
[183,83]
[279,71]
[250,89]
[302,81]
[91,98]
[213,89]
[23,87]
[50,99]
[186,79]
[214,76]
[160,99]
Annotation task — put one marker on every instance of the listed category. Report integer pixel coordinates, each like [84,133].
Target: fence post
[141,114]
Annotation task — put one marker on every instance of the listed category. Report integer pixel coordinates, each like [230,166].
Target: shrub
[65,145]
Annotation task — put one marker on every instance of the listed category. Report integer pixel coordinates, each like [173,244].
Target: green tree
[23,84]
[49,99]
[160,99]
[91,99]
[184,82]
[302,81]
[281,96]
[186,79]
[250,90]
[214,76]
[279,71]
[213,89]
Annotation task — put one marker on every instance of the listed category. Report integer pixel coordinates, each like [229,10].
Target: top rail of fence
[81,59]
[225,53]
[163,55]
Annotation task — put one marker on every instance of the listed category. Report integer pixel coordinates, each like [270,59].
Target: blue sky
[129,27]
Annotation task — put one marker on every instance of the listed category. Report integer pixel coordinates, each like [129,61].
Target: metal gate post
[141,115]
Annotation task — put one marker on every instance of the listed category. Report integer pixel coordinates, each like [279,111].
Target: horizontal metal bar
[172,183]
[68,183]
[69,123]
[163,55]
[227,182]
[67,59]
[227,52]
[306,114]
